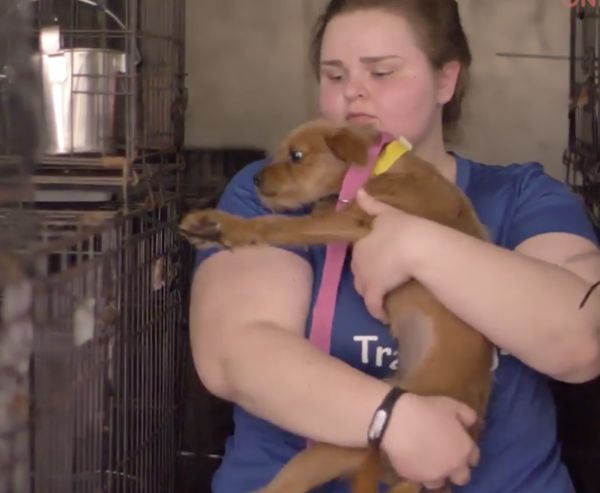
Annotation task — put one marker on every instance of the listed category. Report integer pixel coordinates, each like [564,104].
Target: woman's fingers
[461,476]
[374,303]
[435,485]
[369,204]
[474,457]
[466,414]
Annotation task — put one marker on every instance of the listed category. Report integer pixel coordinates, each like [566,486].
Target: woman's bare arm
[248,315]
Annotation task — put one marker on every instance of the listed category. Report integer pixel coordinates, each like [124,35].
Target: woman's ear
[351,143]
[447,78]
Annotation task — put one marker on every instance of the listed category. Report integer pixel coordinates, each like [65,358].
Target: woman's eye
[332,77]
[296,156]
[381,74]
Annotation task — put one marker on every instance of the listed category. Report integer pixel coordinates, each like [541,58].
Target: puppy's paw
[203,228]
[210,227]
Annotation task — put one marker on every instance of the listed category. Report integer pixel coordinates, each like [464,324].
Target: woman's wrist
[401,405]
[381,417]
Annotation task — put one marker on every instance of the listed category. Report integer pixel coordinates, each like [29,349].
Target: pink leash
[335,254]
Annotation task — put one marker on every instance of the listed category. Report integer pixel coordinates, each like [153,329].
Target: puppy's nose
[257,179]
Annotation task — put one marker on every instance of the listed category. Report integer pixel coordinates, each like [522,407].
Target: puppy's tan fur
[439,353]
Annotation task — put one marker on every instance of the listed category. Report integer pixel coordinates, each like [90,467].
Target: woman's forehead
[368,34]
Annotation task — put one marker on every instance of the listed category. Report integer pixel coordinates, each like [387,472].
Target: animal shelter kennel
[97,389]
[93,303]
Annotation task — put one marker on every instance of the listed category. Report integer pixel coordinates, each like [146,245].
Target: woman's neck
[434,151]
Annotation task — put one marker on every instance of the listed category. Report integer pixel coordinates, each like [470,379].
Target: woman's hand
[380,260]
[426,440]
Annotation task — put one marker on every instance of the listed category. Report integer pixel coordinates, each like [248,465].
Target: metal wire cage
[91,301]
[112,84]
[109,352]
[582,156]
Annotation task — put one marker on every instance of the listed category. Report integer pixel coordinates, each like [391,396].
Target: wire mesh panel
[149,356]
[75,290]
[582,157]
[108,357]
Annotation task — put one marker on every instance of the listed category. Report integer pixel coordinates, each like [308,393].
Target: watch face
[377,423]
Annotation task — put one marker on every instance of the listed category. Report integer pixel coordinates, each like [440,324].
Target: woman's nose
[354,89]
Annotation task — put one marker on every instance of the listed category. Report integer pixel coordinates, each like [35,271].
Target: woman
[402,65]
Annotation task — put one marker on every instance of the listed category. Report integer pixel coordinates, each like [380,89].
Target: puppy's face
[311,162]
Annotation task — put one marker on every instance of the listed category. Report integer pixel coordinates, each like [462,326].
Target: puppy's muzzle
[262,189]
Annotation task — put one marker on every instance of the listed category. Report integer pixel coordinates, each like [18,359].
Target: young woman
[402,65]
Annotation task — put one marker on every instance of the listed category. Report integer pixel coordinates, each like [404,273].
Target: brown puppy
[438,353]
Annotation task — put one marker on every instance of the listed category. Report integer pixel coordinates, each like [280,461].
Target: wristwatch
[381,417]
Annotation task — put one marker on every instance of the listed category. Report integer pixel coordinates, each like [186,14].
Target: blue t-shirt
[519,449]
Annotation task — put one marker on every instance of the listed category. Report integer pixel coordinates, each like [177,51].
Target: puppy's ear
[351,143]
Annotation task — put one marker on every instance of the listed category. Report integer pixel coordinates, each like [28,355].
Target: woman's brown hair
[439,30]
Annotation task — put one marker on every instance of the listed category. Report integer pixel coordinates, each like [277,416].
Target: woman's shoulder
[523,200]
[516,182]
[519,175]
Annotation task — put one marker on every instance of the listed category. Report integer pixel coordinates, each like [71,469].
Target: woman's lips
[360,117]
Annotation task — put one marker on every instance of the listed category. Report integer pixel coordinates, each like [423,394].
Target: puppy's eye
[296,156]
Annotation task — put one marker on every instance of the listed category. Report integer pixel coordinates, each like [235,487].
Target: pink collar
[324,309]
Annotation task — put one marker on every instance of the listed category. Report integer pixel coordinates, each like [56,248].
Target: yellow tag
[390,154]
